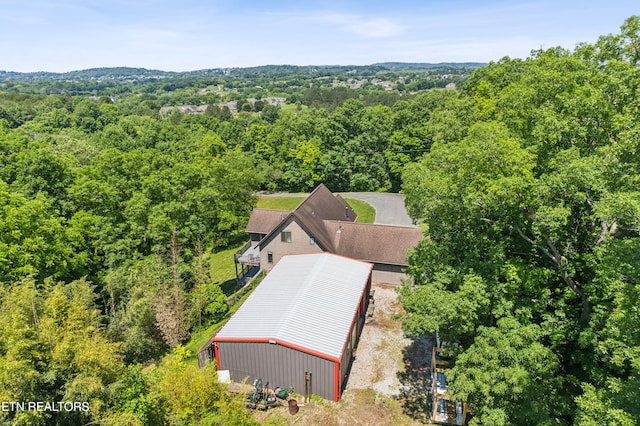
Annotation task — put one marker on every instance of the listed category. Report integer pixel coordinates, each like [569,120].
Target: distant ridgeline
[135,74]
[119,73]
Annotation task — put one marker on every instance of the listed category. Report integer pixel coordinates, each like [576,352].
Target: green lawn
[279,203]
[223,269]
[292,107]
[366,213]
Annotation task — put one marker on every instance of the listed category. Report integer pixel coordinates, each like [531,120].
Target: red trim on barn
[277,342]
[336,381]
[215,353]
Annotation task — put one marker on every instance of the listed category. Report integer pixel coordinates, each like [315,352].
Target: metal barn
[300,326]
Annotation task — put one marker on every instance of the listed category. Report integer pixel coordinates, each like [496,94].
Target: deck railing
[248,254]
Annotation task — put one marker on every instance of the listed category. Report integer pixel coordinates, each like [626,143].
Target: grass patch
[366,213]
[292,107]
[223,268]
[279,203]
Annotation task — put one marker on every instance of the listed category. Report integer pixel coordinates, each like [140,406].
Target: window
[270,256]
[285,237]
[312,241]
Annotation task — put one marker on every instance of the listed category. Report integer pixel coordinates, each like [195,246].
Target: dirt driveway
[388,379]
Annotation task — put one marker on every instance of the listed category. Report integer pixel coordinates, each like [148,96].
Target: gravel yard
[379,354]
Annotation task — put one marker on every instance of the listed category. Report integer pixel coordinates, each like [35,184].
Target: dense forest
[112,212]
[525,179]
[531,268]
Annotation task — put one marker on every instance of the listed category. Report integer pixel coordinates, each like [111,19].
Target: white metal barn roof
[307,301]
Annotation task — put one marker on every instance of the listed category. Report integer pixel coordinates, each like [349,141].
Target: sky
[186,35]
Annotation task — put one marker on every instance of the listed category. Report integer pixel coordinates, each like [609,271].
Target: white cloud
[370,27]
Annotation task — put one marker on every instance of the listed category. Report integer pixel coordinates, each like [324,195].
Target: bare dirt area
[388,379]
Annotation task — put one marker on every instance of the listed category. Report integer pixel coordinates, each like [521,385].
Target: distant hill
[428,66]
[120,73]
[137,74]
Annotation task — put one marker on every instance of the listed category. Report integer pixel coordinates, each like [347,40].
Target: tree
[135,404]
[170,304]
[533,191]
[206,297]
[85,115]
[129,293]
[270,113]
[193,394]
[505,373]
[53,349]
[34,241]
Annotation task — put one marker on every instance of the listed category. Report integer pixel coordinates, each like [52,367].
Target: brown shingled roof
[321,214]
[319,206]
[263,221]
[373,242]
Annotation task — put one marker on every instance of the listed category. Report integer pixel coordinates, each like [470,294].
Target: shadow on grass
[415,379]
[229,287]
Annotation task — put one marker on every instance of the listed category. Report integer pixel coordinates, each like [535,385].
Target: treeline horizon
[126,71]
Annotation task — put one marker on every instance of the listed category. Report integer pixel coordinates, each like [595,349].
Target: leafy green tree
[304,169]
[533,190]
[270,113]
[36,170]
[505,373]
[207,299]
[85,115]
[53,349]
[135,404]
[129,293]
[194,396]
[221,113]
[34,241]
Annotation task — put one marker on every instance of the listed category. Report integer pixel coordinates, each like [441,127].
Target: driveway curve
[390,209]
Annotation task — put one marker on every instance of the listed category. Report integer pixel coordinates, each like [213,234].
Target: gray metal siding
[353,338]
[345,363]
[279,365]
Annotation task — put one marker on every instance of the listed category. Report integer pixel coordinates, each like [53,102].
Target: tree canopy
[527,205]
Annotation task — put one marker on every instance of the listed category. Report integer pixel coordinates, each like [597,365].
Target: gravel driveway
[390,209]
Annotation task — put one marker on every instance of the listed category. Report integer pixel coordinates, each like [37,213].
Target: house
[300,326]
[324,222]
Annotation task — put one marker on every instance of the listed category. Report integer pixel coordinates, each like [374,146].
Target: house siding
[388,274]
[278,365]
[299,244]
